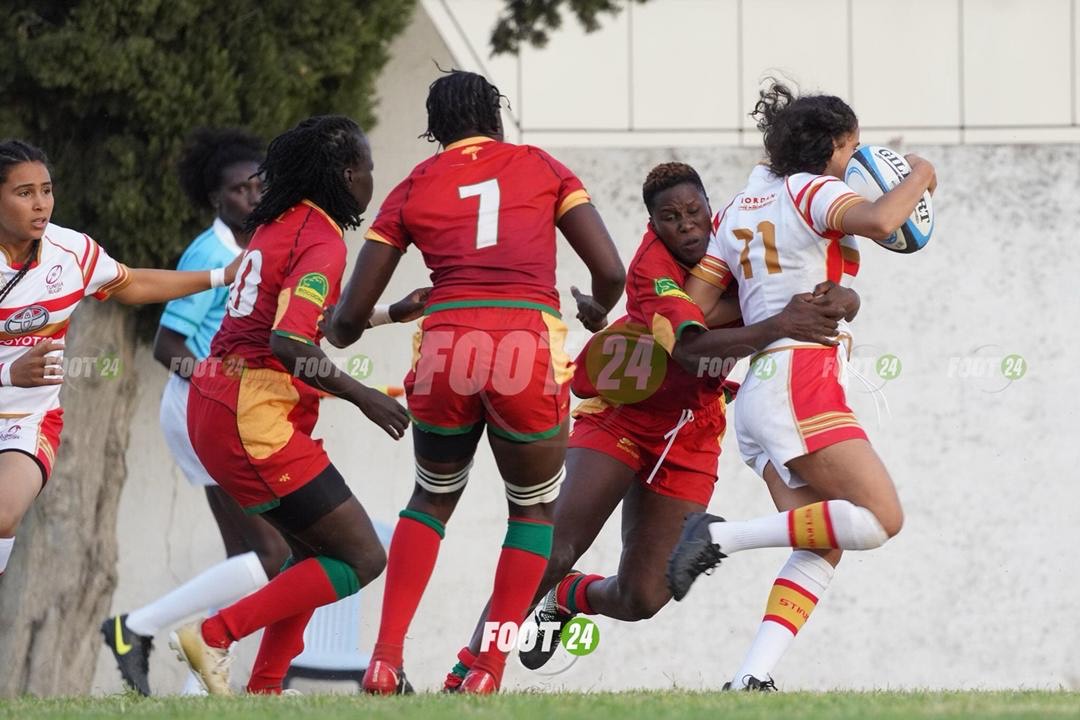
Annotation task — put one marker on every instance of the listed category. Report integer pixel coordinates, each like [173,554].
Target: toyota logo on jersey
[27,320]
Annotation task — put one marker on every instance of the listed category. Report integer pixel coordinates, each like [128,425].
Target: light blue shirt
[197,317]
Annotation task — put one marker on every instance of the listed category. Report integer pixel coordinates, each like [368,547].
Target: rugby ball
[872,172]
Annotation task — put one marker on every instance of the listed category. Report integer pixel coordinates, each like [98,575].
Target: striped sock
[794,596]
[522,562]
[466,659]
[572,593]
[413,552]
[305,586]
[820,526]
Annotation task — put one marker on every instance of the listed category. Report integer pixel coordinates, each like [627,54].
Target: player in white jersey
[45,271]
[789,229]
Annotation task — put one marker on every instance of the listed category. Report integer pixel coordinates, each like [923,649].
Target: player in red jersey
[649,434]
[45,272]
[483,213]
[254,401]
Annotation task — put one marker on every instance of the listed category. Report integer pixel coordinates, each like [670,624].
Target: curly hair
[207,153]
[666,176]
[801,132]
[12,153]
[460,103]
[308,162]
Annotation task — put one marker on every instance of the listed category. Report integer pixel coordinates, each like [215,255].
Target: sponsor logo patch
[313,287]
[666,287]
[27,320]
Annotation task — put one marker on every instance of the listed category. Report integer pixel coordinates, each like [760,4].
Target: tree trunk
[59,583]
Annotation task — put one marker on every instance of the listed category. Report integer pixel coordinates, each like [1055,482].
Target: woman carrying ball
[789,229]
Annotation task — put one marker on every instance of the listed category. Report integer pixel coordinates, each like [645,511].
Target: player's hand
[805,320]
[915,161]
[35,367]
[591,313]
[384,411]
[231,268]
[326,327]
[411,306]
[845,300]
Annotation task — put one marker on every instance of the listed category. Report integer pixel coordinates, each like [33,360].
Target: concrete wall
[977,590]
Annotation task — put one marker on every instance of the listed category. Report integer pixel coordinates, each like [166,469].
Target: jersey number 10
[487,220]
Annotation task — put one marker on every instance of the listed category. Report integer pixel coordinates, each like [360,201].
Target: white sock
[831,524]
[797,590]
[6,544]
[217,586]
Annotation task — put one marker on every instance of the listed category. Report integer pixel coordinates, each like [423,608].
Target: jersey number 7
[487,219]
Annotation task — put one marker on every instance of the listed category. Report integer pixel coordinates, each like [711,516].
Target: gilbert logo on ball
[874,171]
[624,363]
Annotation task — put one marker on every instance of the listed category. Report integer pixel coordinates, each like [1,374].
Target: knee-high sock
[413,552]
[820,526]
[281,642]
[6,544]
[217,586]
[305,586]
[522,562]
[795,594]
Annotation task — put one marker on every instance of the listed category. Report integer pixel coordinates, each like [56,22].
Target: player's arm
[306,361]
[805,318]
[844,298]
[171,349]
[148,285]
[879,219]
[587,235]
[343,324]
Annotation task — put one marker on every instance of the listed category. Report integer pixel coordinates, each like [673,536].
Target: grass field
[651,705]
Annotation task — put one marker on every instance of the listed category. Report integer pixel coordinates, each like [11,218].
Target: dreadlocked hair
[206,155]
[308,162]
[801,132]
[12,153]
[460,103]
[666,176]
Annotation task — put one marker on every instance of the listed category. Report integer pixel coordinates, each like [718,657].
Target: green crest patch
[666,287]
[314,287]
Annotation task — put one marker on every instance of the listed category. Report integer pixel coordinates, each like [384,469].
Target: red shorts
[637,439]
[253,434]
[502,366]
[36,434]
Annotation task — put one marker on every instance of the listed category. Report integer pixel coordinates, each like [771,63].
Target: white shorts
[36,434]
[174,425]
[791,404]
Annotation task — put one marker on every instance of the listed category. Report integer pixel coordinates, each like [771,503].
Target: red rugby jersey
[291,270]
[656,300]
[483,215]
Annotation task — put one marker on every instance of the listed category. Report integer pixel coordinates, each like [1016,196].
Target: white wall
[975,593]
[686,72]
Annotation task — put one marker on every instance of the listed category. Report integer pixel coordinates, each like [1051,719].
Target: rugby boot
[694,554]
[132,652]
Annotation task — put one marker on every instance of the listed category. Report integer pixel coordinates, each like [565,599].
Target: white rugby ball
[872,172]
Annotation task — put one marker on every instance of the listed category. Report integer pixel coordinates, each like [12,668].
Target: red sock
[281,642]
[572,592]
[521,567]
[413,552]
[305,586]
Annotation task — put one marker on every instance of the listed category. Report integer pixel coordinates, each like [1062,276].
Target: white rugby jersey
[69,266]
[779,237]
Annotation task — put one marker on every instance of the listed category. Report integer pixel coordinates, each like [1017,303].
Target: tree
[110,88]
[531,20]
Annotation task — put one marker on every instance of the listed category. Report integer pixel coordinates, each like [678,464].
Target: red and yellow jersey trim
[376,237]
[571,201]
[330,220]
[474,140]
[713,271]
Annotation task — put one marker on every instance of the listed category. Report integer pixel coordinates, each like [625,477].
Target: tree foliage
[530,21]
[110,88]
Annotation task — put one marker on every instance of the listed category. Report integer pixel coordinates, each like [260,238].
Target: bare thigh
[20,483]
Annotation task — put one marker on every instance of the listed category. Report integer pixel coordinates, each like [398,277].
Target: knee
[892,521]
[9,521]
[272,554]
[643,604]
[369,564]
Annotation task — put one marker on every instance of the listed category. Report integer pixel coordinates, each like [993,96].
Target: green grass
[669,705]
